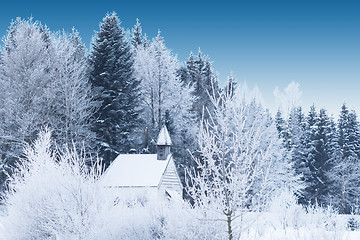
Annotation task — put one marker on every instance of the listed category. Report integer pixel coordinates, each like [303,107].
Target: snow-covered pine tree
[345,172]
[192,69]
[319,139]
[327,150]
[282,128]
[297,145]
[136,35]
[169,122]
[112,76]
[349,134]
[203,79]
[311,145]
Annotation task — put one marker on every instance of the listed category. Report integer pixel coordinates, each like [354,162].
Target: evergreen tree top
[349,133]
[110,33]
[136,36]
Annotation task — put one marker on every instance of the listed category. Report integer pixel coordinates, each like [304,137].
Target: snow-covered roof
[135,170]
[164,137]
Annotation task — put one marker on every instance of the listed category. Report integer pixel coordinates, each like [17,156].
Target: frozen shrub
[54,195]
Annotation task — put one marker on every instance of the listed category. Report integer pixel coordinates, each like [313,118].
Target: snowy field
[1,231]
[2,210]
[265,230]
[2,217]
[281,224]
[286,225]
[319,226]
[300,234]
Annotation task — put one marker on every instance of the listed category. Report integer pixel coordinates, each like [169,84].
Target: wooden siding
[170,179]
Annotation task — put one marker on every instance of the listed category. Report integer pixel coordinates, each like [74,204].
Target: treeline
[115,97]
[325,153]
[111,99]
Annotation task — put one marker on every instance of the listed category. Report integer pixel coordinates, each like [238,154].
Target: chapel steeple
[163,144]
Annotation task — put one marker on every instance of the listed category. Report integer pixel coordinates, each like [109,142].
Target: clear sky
[266,43]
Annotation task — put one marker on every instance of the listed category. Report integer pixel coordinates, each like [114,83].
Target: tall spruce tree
[349,134]
[115,85]
[202,78]
[311,142]
[296,143]
[326,149]
[320,137]
[137,37]
[345,172]
[283,130]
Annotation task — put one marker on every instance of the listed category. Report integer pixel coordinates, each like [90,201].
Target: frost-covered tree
[115,85]
[345,188]
[230,85]
[165,100]
[25,89]
[289,98]
[242,162]
[74,105]
[43,83]
[292,134]
[27,60]
[164,97]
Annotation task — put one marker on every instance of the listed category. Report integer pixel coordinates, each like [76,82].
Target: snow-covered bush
[188,223]
[285,211]
[55,195]
[288,220]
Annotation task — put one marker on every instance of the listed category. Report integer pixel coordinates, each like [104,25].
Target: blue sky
[266,43]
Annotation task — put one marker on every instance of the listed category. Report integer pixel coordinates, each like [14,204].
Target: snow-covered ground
[303,234]
[1,231]
[319,226]
[266,227]
[2,216]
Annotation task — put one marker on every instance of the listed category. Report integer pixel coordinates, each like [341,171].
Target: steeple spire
[164,137]
[163,144]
